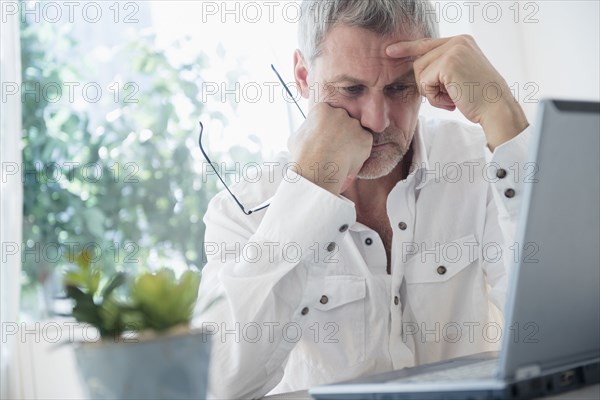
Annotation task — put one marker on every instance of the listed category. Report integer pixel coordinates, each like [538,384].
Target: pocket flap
[340,290]
[441,263]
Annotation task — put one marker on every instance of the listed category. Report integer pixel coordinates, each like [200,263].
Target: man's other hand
[330,147]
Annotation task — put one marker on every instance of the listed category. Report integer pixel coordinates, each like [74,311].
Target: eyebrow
[355,81]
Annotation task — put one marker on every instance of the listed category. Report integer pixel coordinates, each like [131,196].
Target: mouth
[379,146]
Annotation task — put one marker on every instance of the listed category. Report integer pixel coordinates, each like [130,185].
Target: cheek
[328,94]
[405,117]
[411,101]
[406,111]
[317,93]
[334,99]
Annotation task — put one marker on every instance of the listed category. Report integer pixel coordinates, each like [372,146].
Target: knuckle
[356,125]
[466,39]
[424,43]
[453,58]
[457,55]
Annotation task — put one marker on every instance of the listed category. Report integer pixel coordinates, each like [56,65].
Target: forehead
[354,50]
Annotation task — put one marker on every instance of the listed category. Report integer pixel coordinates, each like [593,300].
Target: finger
[433,89]
[441,100]
[438,97]
[414,47]
[423,62]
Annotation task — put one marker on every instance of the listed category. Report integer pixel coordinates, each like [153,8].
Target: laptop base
[389,386]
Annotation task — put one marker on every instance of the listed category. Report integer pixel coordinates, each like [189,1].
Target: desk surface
[589,392]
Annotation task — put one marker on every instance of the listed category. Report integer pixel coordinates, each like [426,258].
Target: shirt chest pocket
[338,326]
[440,263]
[444,288]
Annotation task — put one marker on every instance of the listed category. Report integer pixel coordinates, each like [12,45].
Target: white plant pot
[172,366]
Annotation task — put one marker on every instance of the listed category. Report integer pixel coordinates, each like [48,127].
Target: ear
[301,74]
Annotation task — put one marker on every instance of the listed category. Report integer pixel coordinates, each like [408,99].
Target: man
[385,247]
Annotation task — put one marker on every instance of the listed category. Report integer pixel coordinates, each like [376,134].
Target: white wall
[553,50]
[563,49]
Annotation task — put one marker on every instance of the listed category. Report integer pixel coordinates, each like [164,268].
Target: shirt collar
[419,166]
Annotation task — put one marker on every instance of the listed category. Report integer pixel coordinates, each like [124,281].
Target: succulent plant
[149,300]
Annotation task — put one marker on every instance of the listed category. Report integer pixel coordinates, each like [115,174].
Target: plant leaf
[116,281]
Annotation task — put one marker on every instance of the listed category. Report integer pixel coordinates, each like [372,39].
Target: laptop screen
[553,310]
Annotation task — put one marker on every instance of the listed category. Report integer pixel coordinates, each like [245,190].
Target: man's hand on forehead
[443,66]
[446,71]
[454,73]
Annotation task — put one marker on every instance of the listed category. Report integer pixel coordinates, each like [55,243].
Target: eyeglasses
[268,202]
[247,212]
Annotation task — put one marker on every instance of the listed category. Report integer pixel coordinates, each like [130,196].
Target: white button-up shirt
[298,294]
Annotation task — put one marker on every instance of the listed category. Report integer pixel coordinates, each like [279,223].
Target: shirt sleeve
[508,171]
[259,278]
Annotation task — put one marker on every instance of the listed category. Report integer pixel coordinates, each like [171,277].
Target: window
[112,93]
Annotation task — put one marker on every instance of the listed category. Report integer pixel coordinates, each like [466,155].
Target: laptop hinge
[529,371]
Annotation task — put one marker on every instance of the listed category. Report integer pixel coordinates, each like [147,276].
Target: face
[354,73]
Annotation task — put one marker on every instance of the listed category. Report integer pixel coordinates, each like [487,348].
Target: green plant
[156,301]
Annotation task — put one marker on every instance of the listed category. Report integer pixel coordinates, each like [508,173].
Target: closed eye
[352,90]
[400,89]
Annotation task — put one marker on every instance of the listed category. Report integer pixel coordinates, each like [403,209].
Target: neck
[370,195]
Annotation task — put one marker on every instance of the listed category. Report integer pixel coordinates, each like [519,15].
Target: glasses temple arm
[219,176]
[287,90]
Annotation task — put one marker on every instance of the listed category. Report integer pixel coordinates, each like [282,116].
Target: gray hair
[383,17]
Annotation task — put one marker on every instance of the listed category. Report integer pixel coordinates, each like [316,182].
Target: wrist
[326,175]
[503,122]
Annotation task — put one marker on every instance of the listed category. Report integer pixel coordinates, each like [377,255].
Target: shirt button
[441,270]
[324,299]
[331,247]
[396,300]
[509,193]
[304,311]
[369,241]
[501,173]
[402,226]
[344,228]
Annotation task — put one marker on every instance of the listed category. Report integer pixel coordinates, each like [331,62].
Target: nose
[375,113]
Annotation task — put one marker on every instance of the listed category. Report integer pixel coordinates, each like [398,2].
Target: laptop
[558,296]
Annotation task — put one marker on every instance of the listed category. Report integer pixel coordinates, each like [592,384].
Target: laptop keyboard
[476,370]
